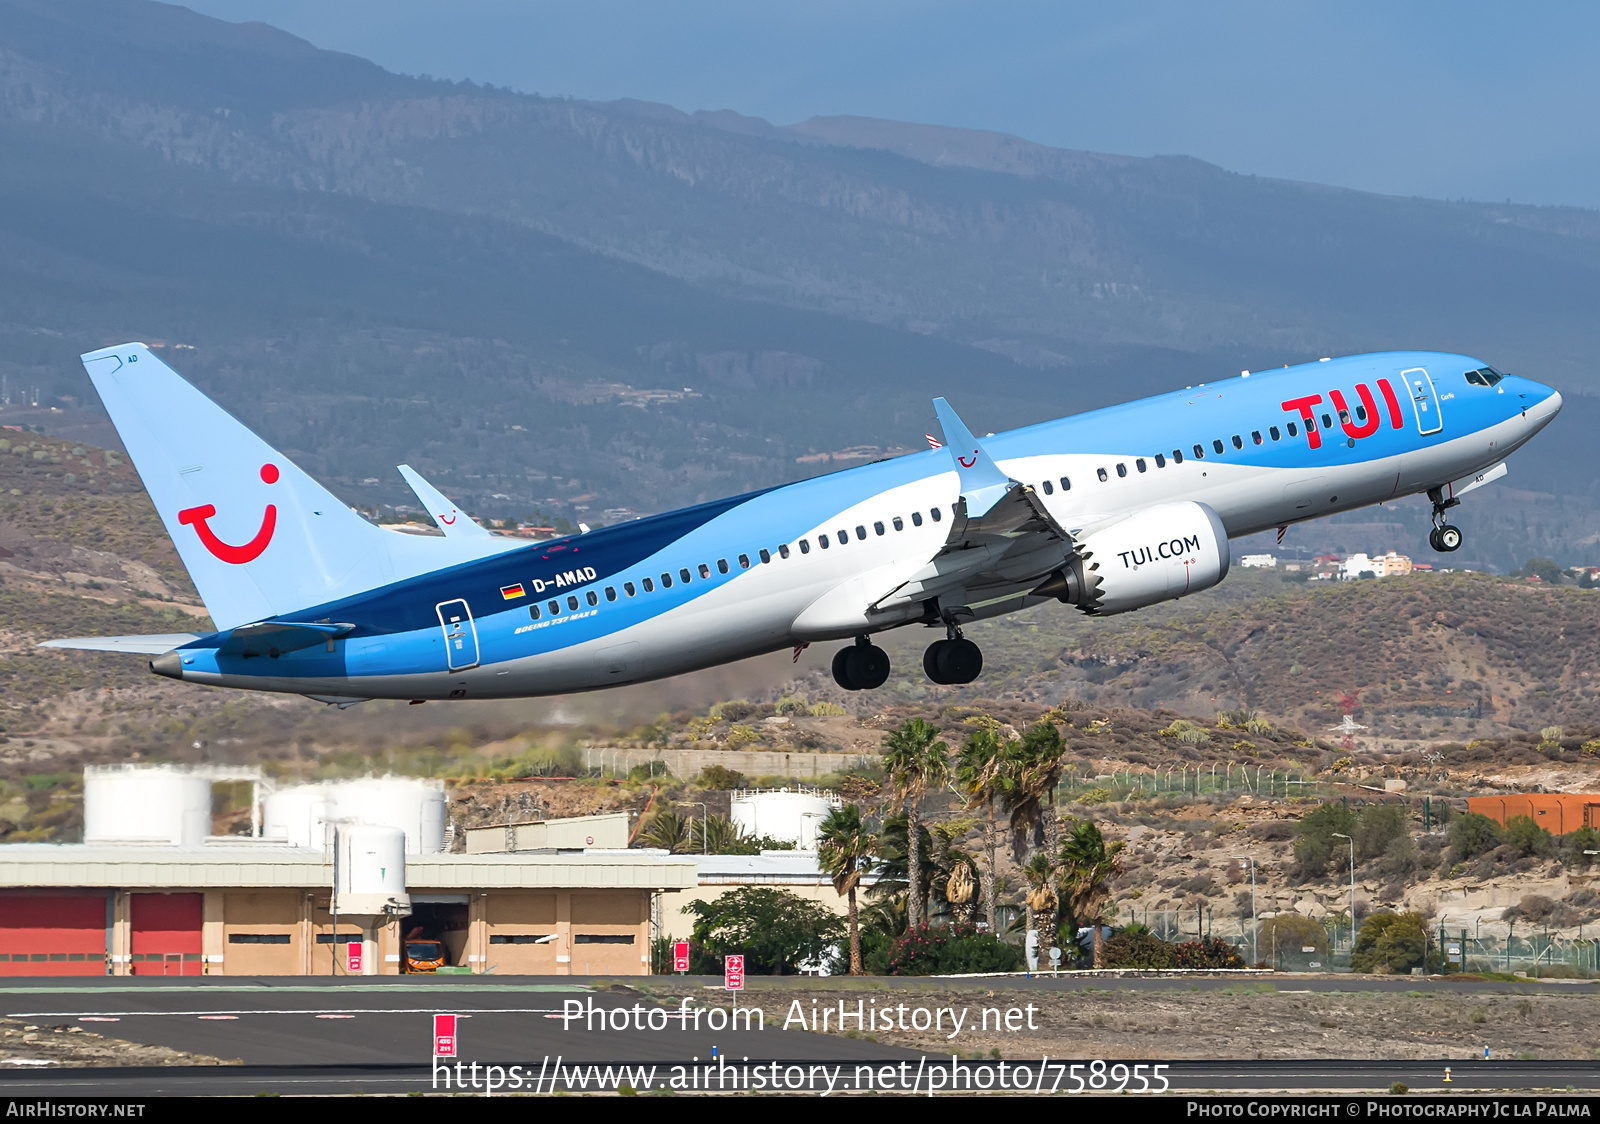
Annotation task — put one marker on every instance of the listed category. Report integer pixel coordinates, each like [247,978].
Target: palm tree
[1031,770]
[978,775]
[1040,874]
[718,835]
[667,830]
[844,847]
[1088,866]
[916,760]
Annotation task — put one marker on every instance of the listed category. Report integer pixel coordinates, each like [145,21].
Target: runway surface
[300,1035]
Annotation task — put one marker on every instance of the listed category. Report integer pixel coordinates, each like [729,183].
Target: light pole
[1352,842]
[1255,926]
[705,837]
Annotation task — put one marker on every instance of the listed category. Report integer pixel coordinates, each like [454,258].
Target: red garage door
[166,934]
[52,935]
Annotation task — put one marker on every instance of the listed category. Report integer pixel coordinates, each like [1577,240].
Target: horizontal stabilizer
[274,638]
[133,645]
[982,482]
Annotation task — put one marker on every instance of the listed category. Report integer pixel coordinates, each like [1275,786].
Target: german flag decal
[512,592]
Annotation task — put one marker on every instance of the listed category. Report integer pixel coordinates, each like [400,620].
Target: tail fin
[259,537]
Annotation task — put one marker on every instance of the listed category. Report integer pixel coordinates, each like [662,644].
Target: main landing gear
[1444,537]
[862,667]
[953,660]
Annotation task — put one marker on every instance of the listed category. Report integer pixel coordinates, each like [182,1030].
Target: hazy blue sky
[1474,99]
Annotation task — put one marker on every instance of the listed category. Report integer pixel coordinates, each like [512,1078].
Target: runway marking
[114,1016]
[219,1017]
[319,1016]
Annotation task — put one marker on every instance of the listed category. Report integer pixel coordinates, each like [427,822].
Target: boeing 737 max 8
[1108,511]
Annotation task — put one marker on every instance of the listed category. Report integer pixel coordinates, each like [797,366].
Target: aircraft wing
[454,522]
[137,645]
[1001,536]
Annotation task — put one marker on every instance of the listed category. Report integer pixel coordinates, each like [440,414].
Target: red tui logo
[234,555]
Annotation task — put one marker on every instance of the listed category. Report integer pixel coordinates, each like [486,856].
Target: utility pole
[1352,842]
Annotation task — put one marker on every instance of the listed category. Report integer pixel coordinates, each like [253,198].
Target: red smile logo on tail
[234,555]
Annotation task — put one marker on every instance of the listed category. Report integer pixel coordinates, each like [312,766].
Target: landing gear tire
[1449,538]
[862,667]
[1433,540]
[952,662]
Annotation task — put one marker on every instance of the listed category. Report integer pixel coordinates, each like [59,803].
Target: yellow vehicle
[424,956]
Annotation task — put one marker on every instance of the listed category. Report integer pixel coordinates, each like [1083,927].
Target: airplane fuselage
[811,561]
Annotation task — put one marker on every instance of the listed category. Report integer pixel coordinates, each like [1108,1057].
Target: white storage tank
[304,815]
[792,816]
[371,876]
[162,804]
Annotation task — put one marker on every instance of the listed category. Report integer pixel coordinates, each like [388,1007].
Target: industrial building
[150,892]
[1556,812]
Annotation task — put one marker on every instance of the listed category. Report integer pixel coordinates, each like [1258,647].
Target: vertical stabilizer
[258,536]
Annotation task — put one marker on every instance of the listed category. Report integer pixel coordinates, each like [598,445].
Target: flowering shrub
[950,949]
[1213,952]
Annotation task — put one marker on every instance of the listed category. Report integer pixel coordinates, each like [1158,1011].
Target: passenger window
[1101,473]
[555,608]
[822,541]
[1161,461]
[1139,464]
[627,587]
[899,523]
[744,561]
[1361,413]
[1199,452]
[1311,425]
[933,511]
[1327,422]
[572,603]
[916,518]
[666,581]
[611,593]
[1238,442]
[861,532]
[805,547]
[683,574]
[877,528]
[1049,489]
[722,565]
[705,571]
[1272,431]
[1177,456]
[844,535]
[1294,430]
[1066,484]
[1255,436]
[649,586]
[783,550]
[592,597]
[533,612]
[1122,469]
[1217,445]
[1344,416]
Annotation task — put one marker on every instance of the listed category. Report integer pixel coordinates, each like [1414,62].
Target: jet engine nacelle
[1158,554]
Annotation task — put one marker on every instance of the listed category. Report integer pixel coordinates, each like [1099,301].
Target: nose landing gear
[862,667]
[1445,537]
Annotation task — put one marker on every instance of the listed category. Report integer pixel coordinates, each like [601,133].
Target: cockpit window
[1484,376]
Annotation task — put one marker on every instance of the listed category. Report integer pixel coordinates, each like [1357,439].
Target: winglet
[982,483]
[454,522]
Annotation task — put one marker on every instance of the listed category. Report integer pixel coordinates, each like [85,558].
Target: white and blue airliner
[1107,511]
